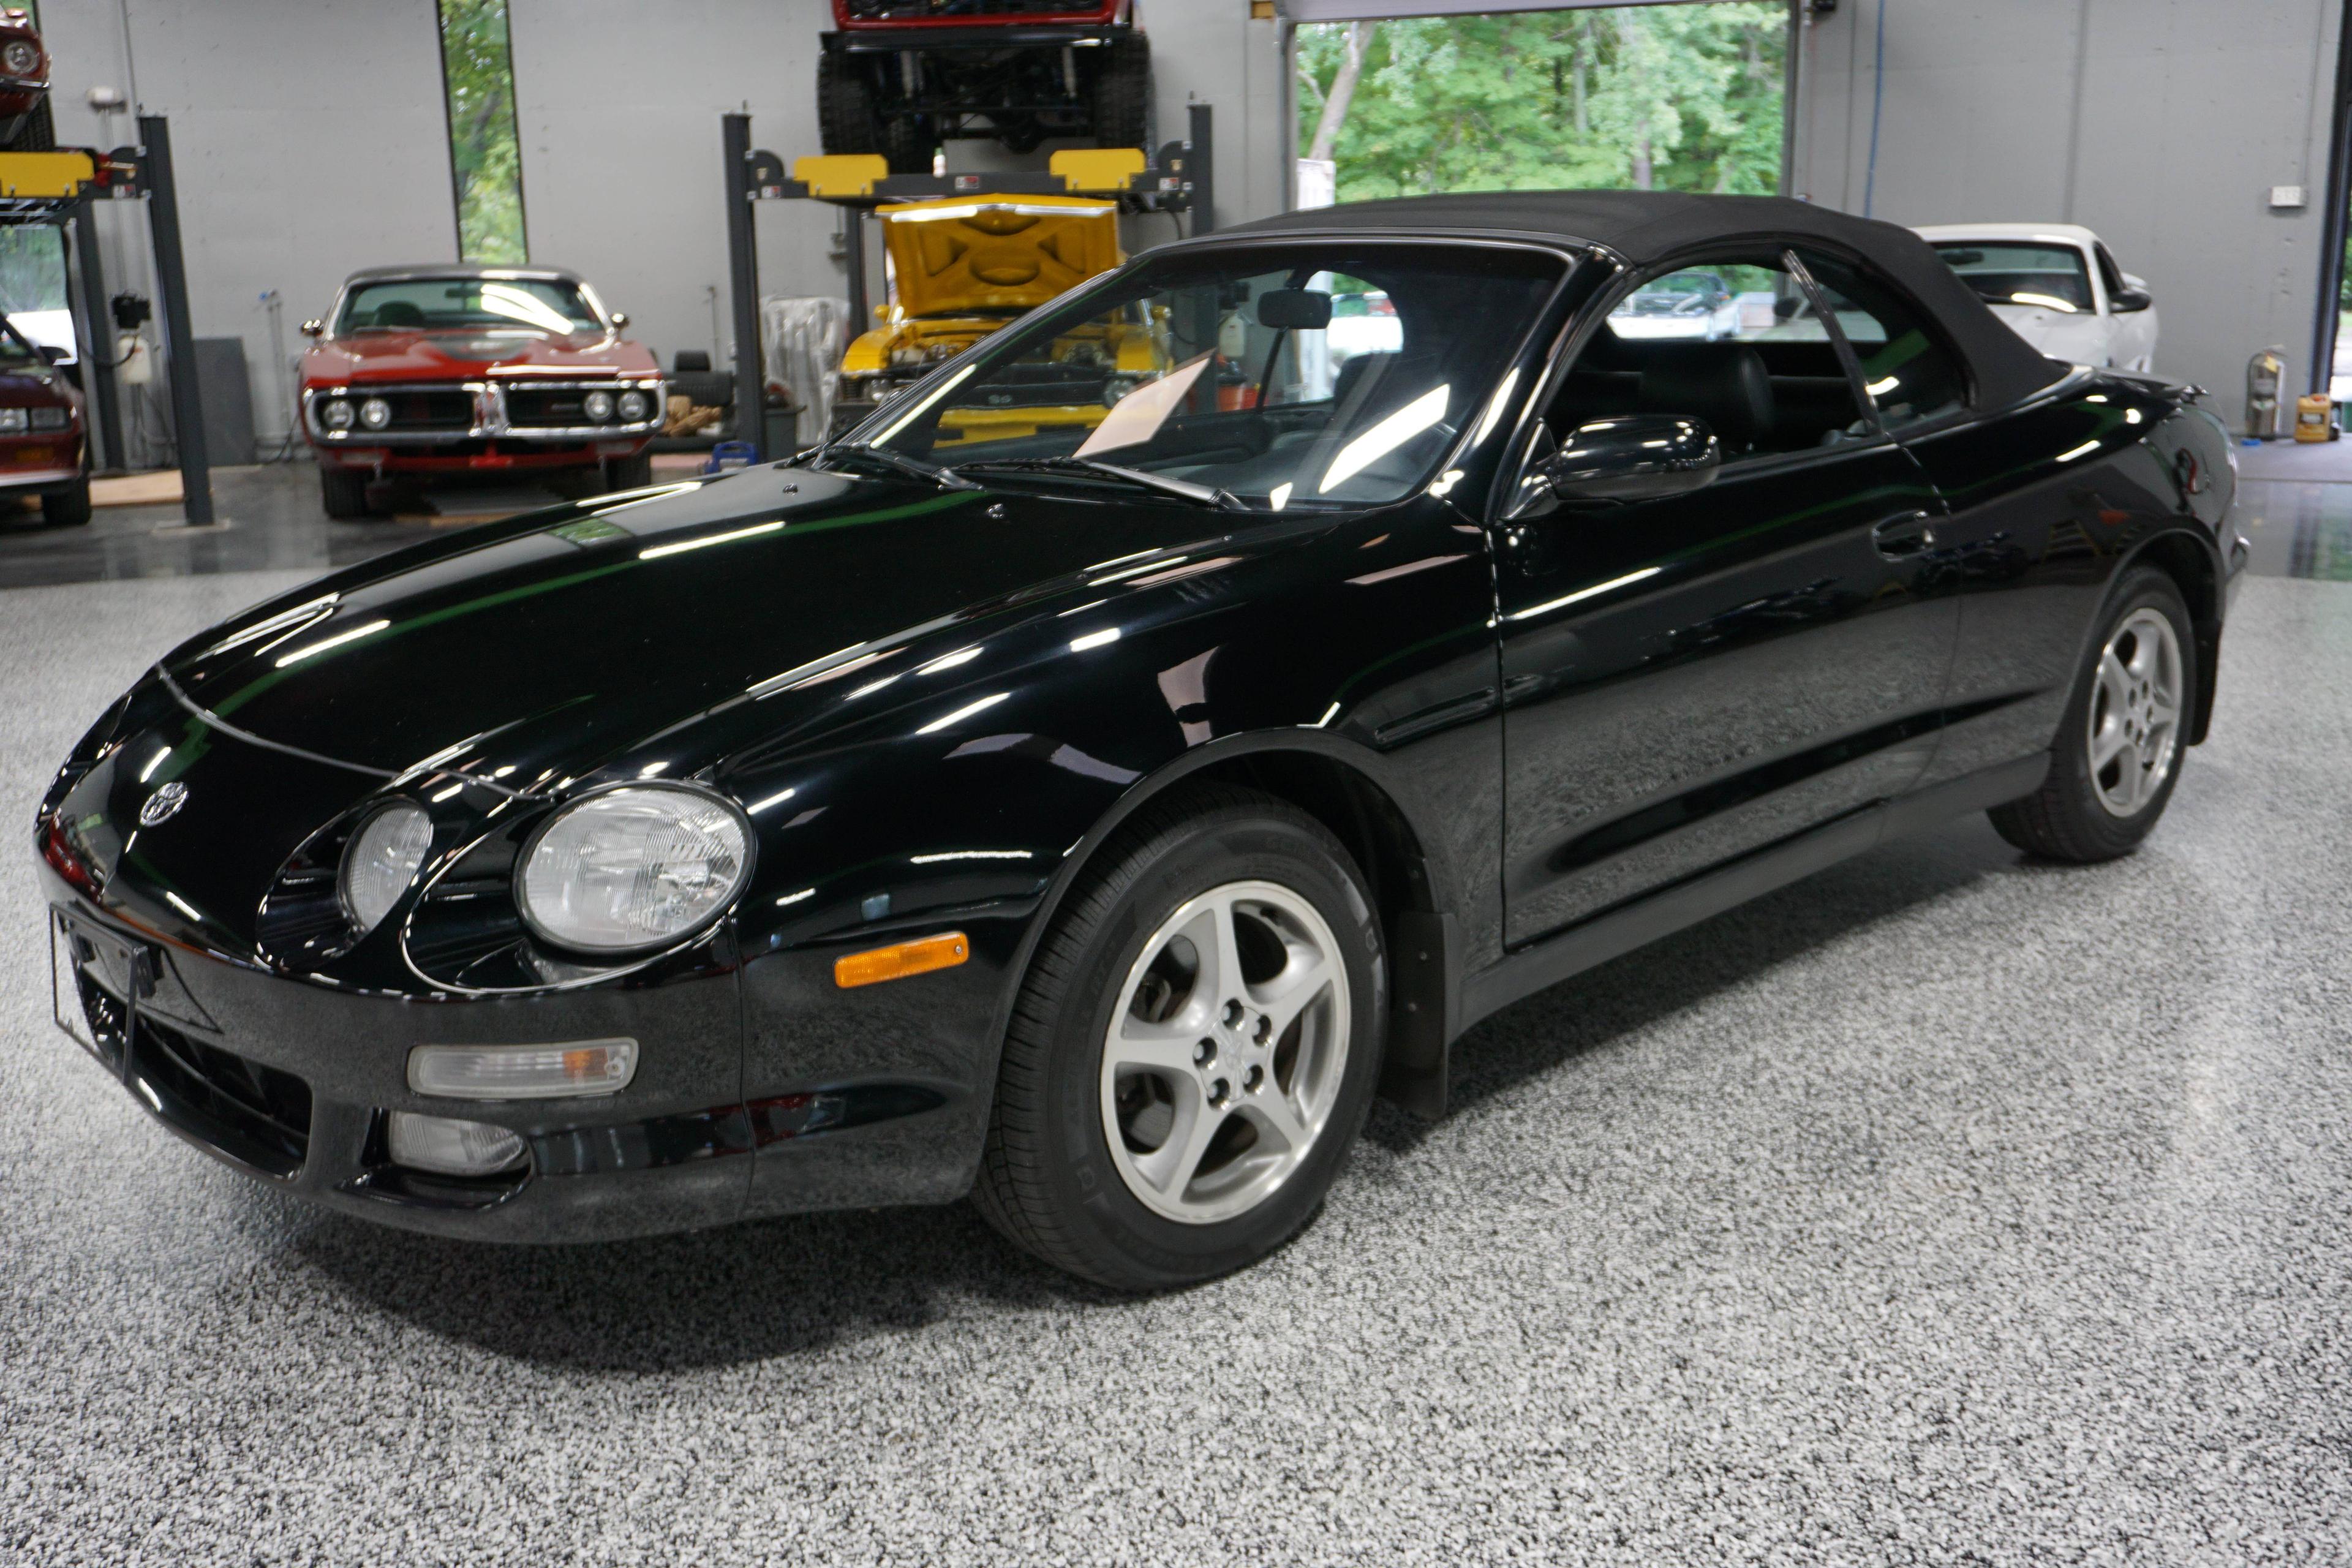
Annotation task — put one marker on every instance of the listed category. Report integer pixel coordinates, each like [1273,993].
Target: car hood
[386,356]
[532,651]
[953,256]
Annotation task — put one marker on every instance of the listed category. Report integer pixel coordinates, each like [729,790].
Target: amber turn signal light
[879,964]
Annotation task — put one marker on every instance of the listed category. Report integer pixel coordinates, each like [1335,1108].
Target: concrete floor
[267,517]
[1944,1207]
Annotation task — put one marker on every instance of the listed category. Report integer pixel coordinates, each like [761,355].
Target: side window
[1728,342]
[1906,368]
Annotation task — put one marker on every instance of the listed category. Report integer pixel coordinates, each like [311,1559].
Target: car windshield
[468,304]
[2043,276]
[1289,376]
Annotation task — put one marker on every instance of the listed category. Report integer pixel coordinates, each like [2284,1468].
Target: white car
[1695,303]
[2058,286]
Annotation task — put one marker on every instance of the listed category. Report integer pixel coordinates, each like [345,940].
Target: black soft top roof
[1643,226]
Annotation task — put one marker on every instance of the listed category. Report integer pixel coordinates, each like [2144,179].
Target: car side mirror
[314,327]
[1633,457]
[55,354]
[620,319]
[2123,301]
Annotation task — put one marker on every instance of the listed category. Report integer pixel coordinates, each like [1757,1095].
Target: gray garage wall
[2160,123]
[310,140]
[619,121]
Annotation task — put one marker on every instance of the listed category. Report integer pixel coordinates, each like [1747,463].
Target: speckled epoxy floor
[1941,1208]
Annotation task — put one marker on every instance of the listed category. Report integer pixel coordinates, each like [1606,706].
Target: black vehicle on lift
[901,76]
[1092,818]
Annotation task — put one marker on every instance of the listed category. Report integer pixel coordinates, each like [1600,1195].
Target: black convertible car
[1093,816]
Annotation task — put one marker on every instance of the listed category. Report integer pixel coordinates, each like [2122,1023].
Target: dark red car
[900,76]
[42,452]
[25,124]
[463,370]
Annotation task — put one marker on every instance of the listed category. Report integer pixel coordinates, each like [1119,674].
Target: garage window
[485,154]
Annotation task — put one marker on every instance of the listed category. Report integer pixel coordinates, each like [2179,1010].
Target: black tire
[908,144]
[344,493]
[1122,94]
[850,118]
[36,131]
[2066,820]
[1048,1179]
[844,105]
[67,508]
[629,473]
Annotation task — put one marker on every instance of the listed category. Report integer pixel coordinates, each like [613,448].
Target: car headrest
[1352,375]
[1723,384]
[398,313]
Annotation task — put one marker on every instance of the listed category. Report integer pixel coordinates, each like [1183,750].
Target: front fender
[1364,649]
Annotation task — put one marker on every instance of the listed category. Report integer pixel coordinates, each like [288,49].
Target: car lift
[1181,181]
[54,189]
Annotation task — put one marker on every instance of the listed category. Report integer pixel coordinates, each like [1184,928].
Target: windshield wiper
[912,467]
[1203,495]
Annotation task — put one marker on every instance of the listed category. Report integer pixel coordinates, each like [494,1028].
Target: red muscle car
[462,370]
[41,448]
[25,123]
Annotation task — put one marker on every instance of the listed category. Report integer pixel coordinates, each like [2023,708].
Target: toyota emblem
[163,804]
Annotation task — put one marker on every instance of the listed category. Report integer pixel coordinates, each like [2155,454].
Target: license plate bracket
[68,939]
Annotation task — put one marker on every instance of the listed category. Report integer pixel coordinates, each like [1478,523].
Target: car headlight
[21,58]
[598,405]
[375,413]
[381,861]
[336,414]
[633,869]
[632,406]
[12,420]
[52,419]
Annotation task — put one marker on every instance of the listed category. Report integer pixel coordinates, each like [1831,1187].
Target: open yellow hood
[996,253]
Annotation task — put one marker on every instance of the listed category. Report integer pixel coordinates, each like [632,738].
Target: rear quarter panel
[2050,500]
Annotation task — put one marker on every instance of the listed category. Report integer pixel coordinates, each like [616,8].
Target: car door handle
[1904,535]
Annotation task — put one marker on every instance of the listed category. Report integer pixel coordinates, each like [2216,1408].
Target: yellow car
[963,267]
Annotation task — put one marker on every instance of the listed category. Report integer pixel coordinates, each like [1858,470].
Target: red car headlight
[21,59]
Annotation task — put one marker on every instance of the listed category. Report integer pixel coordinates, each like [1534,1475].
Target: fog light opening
[445,1146]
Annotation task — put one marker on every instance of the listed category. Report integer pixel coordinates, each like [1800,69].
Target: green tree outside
[485,154]
[32,268]
[1683,97]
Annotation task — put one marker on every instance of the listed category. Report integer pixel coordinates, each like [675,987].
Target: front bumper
[292,1083]
[463,457]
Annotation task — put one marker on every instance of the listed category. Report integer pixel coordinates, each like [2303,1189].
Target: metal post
[1201,166]
[109,449]
[2333,218]
[171,284]
[1791,53]
[852,251]
[743,276]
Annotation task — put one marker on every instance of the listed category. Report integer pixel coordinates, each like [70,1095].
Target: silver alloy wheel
[1225,1054]
[2135,718]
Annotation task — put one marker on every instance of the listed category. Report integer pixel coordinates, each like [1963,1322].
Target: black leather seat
[1726,384]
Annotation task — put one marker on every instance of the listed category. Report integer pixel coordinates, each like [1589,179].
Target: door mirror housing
[53,354]
[2123,301]
[314,327]
[620,319]
[1633,457]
